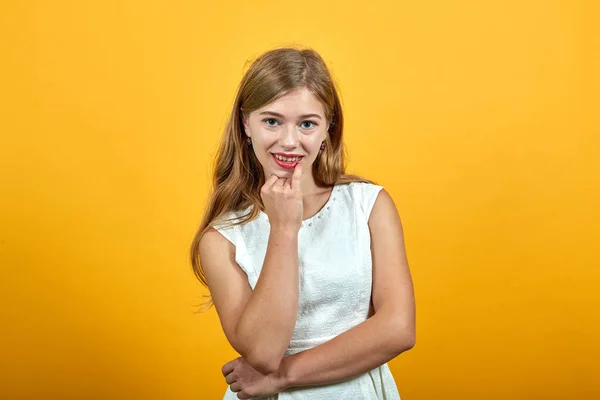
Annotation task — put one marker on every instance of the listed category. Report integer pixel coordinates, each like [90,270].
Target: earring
[248,141]
[323,146]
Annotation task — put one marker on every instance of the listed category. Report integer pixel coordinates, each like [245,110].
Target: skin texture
[259,323]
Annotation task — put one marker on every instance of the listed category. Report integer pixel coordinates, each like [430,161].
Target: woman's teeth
[286,159]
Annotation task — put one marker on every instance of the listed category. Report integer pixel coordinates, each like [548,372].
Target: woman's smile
[286,162]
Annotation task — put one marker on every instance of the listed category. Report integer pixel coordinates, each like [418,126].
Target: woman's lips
[286,164]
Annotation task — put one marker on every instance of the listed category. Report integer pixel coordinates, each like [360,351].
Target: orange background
[480,118]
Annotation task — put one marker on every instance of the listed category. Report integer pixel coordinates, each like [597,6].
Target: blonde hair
[238,175]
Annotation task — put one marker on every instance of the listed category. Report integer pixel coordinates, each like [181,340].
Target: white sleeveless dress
[335,284]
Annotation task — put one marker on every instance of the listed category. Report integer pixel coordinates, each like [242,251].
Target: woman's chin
[279,174]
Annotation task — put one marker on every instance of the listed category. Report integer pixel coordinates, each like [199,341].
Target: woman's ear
[245,122]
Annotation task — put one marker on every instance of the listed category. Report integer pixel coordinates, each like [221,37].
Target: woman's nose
[289,137]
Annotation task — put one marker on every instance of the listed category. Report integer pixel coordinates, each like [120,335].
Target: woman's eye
[310,124]
[271,121]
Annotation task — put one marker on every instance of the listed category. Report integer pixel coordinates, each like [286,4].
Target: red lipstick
[287,164]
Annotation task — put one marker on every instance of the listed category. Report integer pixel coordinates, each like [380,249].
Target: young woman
[306,265]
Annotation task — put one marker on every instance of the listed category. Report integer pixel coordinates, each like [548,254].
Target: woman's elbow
[407,340]
[263,357]
[264,365]
[404,337]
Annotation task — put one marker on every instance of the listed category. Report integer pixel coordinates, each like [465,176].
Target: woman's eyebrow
[282,116]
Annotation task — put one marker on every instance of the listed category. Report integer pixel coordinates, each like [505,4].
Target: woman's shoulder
[359,187]
[361,193]
[226,219]
[240,221]
[356,182]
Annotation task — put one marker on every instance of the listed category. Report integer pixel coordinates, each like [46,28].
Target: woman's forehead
[295,103]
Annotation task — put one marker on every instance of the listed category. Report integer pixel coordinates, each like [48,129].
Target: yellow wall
[480,118]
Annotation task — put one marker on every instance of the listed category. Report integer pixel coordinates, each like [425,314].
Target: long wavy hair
[238,175]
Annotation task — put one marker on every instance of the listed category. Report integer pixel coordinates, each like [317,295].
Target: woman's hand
[248,382]
[282,198]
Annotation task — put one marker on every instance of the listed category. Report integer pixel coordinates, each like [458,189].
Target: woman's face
[290,128]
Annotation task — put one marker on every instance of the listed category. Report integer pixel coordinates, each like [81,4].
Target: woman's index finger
[296,177]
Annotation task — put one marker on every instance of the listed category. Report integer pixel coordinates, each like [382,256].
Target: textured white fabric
[335,273]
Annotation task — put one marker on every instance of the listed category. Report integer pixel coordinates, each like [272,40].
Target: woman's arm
[389,332]
[259,323]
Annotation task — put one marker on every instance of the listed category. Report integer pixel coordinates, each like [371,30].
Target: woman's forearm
[354,352]
[266,326]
